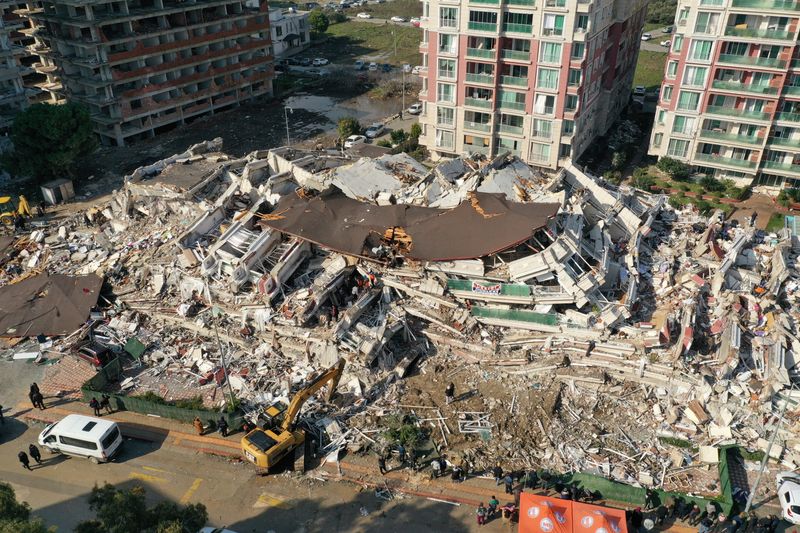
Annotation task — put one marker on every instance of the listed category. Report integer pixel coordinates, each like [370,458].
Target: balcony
[515,55]
[795,63]
[743,87]
[486,2]
[521,2]
[480,52]
[556,32]
[478,126]
[516,106]
[480,78]
[482,26]
[544,134]
[778,165]
[476,149]
[446,75]
[722,136]
[478,102]
[550,58]
[518,28]
[788,117]
[781,35]
[789,143]
[766,4]
[749,60]
[721,160]
[548,110]
[733,112]
[507,128]
[514,80]
[792,91]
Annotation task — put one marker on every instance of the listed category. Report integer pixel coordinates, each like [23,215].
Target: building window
[672,69]
[575,75]
[279,31]
[677,43]
[444,139]
[542,128]
[582,23]
[578,49]
[553,24]
[511,100]
[666,93]
[547,78]
[564,150]
[568,127]
[483,20]
[706,22]
[448,43]
[700,50]
[445,116]
[556,3]
[694,76]
[550,53]
[544,104]
[657,138]
[448,17]
[677,148]
[446,92]
[447,69]
[518,22]
[571,102]
[660,116]
[688,101]
[540,152]
[683,125]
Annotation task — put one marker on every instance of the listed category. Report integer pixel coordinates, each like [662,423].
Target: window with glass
[672,69]
[683,125]
[657,138]
[677,148]
[574,77]
[553,24]
[571,102]
[666,93]
[445,116]
[511,100]
[578,50]
[445,139]
[677,43]
[567,127]
[483,20]
[736,49]
[556,3]
[706,22]
[660,116]
[688,101]
[700,50]
[683,15]
[542,128]
[564,150]
[446,92]
[448,43]
[447,69]
[544,104]
[518,22]
[550,52]
[694,76]
[540,152]
[582,23]
[448,17]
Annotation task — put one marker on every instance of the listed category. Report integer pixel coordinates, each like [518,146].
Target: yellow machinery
[8,209]
[265,448]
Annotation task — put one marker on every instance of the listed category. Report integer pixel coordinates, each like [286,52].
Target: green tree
[677,170]
[15,516]
[348,126]
[398,136]
[318,21]
[49,140]
[416,130]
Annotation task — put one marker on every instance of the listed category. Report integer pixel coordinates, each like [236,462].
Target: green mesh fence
[517,315]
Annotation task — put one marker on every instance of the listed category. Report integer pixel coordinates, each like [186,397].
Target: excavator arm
[332,376]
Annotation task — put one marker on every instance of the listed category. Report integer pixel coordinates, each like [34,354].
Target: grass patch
[650,69]
[775,223]
[648,27]
[747,455]
[404,8]
[353,39]
[678,443]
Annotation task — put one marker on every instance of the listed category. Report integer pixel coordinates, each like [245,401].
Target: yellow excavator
[8,209]
[265,448]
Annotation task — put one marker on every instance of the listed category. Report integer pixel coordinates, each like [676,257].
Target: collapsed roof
[483,225]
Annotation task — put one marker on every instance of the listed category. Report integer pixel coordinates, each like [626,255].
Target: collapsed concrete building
[556,302]
[142,67]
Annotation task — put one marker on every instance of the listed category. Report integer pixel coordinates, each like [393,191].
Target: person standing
[382,464]
[509,481]
[493,503]
[497,471]
[650,499]
[105,403]
[436,467]
[533,479]
[94,404]
[449,393]
[198,425]
[34,451]
[39,400]
[481,512]
[222,424]
[23,458]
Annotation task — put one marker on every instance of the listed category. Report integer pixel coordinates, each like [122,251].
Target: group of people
[222,426]
[403,456]
[23,457]
[103,404]
[486,513]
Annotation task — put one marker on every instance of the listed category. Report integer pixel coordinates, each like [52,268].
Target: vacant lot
[650,69]
[383,43]
[403,8]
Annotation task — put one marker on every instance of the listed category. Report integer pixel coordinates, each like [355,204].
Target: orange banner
[597,519]
[543,514]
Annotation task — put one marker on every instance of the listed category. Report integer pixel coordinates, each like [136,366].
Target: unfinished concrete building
[12,92]
[143,66]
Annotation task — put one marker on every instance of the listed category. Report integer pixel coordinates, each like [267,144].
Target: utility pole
[404,94]
[286,116]
[215,312]
[766,454]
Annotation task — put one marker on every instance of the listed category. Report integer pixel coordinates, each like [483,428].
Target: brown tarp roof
[47,304]
[480,226]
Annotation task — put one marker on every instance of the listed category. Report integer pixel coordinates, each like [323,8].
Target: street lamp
[286,116]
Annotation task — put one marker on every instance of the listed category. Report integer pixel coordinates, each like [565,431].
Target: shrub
[398,136]
[348,126]
[613,176]
[416,130]
[677,170]
[703,206]
[783,198]
[711,184]
[337,16]
[618,160]
[384,142]
[675,202]
[642,180]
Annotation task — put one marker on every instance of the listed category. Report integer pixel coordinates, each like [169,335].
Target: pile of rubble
[562,308]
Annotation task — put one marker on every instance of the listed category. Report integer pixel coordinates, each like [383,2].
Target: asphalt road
[654,44]
[235,497]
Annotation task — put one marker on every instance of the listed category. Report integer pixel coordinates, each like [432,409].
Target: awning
[47,304]
[480,226]
[291,37]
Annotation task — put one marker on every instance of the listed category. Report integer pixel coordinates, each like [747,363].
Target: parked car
[354,140]
[359,65]
[416,70]
[415,109]
[364,16]
[304,62]
[375,130]
[406,68]
[668,29]
[96,354]
[639,90]
[320,62]
[666,43]
[386,67]
[321,72]
[373,67]
[789,495]
[397,19]
[415,22]
[646,36]
[97,439]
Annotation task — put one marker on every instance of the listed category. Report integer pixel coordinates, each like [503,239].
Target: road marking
[154,469]
[268,500]
[147,477]
[190,492]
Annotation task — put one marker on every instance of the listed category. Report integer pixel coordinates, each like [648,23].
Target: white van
[83,436]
